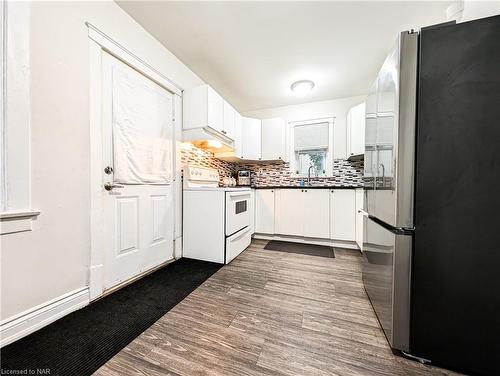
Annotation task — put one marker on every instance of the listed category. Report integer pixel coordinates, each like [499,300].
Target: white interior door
[137,172]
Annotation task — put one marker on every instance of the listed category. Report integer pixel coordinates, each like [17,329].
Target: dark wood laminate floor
[270,313]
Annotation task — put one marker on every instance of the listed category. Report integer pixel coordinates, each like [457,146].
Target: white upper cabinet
[238,124]
[202,107]
[371,101]
[343,214]
[251,139]
[356,119]
[215,117]
[254,139]
[387,86]
[229,121]
[273,139]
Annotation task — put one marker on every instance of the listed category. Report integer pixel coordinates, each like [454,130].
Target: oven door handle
[238,194]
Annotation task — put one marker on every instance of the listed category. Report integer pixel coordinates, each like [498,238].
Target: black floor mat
[305,249]
[81,342]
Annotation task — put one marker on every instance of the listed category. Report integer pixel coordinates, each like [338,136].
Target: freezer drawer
[237,243]
[386,277]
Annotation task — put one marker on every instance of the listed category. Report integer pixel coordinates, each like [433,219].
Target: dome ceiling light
[302,87]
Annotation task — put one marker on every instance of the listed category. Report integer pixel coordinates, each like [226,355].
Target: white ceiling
[251,52]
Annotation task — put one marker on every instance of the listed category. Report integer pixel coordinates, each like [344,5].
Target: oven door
[237,211]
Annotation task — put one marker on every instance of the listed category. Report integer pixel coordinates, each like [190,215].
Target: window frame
[329,150]
[16,213]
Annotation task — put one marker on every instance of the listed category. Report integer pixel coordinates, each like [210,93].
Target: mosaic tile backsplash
[345,173]
[192,155]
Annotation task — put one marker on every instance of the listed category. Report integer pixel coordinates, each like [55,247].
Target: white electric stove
[217,223]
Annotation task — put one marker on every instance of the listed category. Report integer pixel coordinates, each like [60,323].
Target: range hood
[356,157]
[209,139]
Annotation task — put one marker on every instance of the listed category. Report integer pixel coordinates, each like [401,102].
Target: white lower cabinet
[289,212]
[316,213]
[343,214]
[303,212]
[359,218]
[251,209]
[264,211]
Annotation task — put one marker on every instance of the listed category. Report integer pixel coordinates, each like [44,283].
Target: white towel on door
[142,129]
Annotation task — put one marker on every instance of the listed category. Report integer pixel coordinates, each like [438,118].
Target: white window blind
[311,136]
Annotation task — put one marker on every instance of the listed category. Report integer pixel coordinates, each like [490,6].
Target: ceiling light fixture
[302,87]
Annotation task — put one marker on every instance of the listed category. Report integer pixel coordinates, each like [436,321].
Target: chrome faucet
[309,175]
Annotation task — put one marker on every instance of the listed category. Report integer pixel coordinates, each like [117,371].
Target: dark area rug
[305,249]
[81,342]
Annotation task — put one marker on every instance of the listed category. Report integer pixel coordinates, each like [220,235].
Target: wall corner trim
[27,322]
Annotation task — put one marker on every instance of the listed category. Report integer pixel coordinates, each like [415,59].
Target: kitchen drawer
[237,243]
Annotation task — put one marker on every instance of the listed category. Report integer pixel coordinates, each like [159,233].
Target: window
[15,209]
[311,146]
[315,158]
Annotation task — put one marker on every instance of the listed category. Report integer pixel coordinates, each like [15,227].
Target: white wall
[479,9]
[336,108]
[53,258]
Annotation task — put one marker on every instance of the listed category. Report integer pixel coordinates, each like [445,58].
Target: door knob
[109,186]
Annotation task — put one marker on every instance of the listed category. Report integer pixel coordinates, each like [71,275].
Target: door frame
[98,44]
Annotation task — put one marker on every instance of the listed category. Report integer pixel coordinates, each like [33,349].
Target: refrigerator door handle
[363,213]
[395,230]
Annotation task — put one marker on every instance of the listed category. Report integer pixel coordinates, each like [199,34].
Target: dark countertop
[310,187]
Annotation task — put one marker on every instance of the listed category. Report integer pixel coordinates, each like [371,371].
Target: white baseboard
[317,241]
[27,322]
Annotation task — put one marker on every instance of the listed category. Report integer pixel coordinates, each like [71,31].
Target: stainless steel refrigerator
[432,208]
